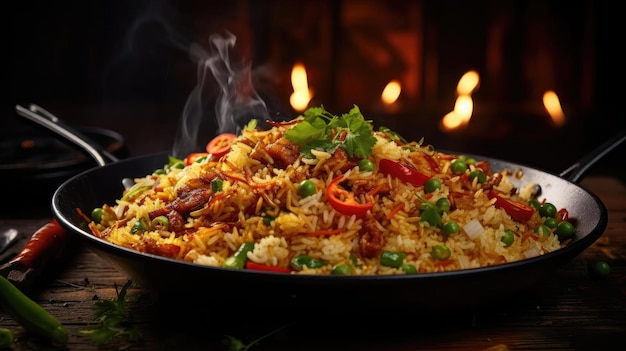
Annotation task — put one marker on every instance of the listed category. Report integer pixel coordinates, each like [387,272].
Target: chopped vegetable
[6,337]
[473,228]
[342,269]
[404,172]
[263,267]
[517,210]
[508,238]
[441,252]
[301,261]
[239,259]
[220,145]
[392,259]
[344,202]
[30,315]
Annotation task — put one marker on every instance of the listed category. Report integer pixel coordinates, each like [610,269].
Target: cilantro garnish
[113,319]
[321,130]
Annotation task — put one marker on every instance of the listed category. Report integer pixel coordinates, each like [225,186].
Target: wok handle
[576,171]
[46,119]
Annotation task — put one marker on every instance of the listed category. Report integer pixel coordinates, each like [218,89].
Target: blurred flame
[553,106]
[391,92]
[464,105]
[301,95]
[468,82]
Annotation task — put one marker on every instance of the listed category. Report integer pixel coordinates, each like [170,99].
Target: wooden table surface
[570,311]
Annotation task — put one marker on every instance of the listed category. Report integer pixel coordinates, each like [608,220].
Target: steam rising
[237,103]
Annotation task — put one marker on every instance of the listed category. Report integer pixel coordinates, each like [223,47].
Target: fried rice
[409,209]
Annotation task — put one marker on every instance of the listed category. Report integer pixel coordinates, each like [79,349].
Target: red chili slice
[517,210]
[404,172]
[344,202]
[263,267]
[220,145]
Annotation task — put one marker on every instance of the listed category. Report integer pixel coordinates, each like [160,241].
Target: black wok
[427,291]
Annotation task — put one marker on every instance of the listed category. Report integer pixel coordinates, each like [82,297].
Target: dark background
[125,66]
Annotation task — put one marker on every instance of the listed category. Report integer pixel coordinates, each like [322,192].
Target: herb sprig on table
[113,320]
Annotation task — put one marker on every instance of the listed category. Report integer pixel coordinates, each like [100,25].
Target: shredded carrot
[395,210]
[324,232]
[375,190]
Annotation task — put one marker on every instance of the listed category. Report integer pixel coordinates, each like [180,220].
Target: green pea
[564,230]
[96,214]
[441,252]
[458,166]
[342,269]
[547,210]
[443,205]
[366,165]
[450,227]
[392,259]
[550,222]
[307,188]
[431,185]
[543,230]
[479,175]
[299,262]
[408,268]
[601,268]
[508,238]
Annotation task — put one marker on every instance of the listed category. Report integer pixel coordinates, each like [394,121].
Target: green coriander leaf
[429,213]
[320,145]
[307,131]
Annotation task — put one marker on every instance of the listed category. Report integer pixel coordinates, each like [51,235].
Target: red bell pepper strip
[263,267]
[517,210]
[404,172]
[343,201]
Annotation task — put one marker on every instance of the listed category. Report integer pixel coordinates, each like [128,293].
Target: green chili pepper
[6,337]
[392,259]
[134,191]
[30,315]
[238,260]
[299,262]
[139,226]
[160,222]
[408,268]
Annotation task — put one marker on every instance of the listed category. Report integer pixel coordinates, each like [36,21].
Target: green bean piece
[508,238]
[239,258]
[392,259]
[342,269]
[30,315]
[408,268]
[441,252]
[301,261]
[543,230]
[6,337]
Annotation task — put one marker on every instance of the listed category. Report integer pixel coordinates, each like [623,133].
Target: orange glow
[468,82]
[463,107]
[553,106]
[391,92]
[301,95]
[451,121]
